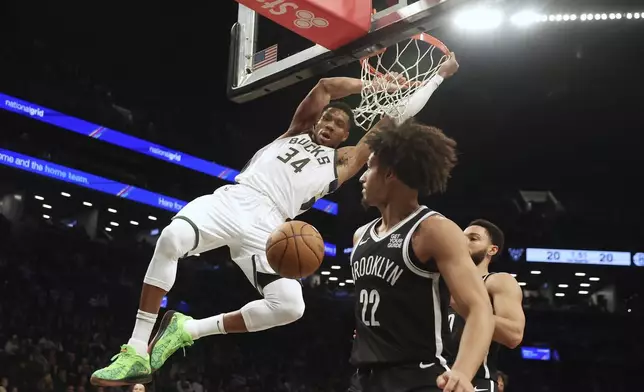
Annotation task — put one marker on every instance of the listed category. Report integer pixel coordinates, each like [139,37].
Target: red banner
[329,23]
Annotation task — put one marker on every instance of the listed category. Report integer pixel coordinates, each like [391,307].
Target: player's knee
[285,299]
[293,309]
[176,240]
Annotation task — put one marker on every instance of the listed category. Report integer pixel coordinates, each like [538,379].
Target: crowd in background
[68,303]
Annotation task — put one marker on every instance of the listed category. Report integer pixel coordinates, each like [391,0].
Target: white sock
[209,326]
[142,330]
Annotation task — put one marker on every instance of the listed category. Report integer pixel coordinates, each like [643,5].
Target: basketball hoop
[417,60]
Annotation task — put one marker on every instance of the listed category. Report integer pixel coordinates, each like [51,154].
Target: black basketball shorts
[484,385]
[411,377]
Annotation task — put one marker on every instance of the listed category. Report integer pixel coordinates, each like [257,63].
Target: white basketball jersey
[294,172]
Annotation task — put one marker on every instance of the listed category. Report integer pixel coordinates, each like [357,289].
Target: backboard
[265,57]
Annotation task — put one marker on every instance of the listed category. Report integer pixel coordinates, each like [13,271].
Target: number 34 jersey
[401,304]
[294,172]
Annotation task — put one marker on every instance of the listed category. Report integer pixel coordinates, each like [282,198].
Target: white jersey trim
[378,238]
[435,277]
[438,321]
[405,251]
[366,229]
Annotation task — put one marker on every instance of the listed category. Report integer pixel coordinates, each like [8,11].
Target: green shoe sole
[99,382]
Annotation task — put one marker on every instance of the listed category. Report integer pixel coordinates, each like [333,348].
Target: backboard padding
[387,28]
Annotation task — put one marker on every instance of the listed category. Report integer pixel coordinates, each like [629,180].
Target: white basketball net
[414,59]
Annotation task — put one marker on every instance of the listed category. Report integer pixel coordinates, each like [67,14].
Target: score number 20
[603,257]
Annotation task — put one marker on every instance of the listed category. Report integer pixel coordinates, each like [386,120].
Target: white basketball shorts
[239,217]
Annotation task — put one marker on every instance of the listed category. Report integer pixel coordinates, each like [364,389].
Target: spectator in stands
[502,381]
[12,346]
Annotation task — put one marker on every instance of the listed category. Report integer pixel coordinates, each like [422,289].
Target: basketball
[295,250]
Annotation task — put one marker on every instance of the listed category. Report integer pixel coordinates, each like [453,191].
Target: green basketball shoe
[128,367]
[170,337]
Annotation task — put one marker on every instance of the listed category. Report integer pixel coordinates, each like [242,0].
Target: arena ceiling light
[46,216]
[134,223]
[333,278]
[335,267]
[349,280]
[591,17]
[108,229]
[65,194]
[525,18]
[594,279]
[560,295]
[522,283]
[325,273]
[580,274]
[583,292]
[584,284]
[479,18]
[152,218]
[514,275]
[563,286]
[87,204]
[535,272]
[114,224]
[47,206]
[37,197]
[112,210]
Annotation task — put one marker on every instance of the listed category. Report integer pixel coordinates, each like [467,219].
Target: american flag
[264,57]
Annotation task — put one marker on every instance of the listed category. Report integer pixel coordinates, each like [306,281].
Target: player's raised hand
[395,81]
[390,82]
[454,381]
[449,67]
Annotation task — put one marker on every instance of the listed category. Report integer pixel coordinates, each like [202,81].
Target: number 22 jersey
[294,172]
[401,303]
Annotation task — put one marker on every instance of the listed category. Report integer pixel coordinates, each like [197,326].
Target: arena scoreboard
[577,256]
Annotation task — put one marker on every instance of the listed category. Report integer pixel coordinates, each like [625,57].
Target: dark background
[556,107]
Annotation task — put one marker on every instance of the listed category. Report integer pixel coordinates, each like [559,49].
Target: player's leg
[202,225]
[175,241]
[283,302]
[133,364]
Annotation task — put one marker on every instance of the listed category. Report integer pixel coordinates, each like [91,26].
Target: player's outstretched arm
[351,159]
[509,319]
[414,104]
[441,239]
[310,109]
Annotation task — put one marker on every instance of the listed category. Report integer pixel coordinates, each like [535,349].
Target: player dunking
[485,241]
[403,265]
[282,180]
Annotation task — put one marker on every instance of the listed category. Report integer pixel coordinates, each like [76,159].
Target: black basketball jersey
[456,325]
[401,303]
